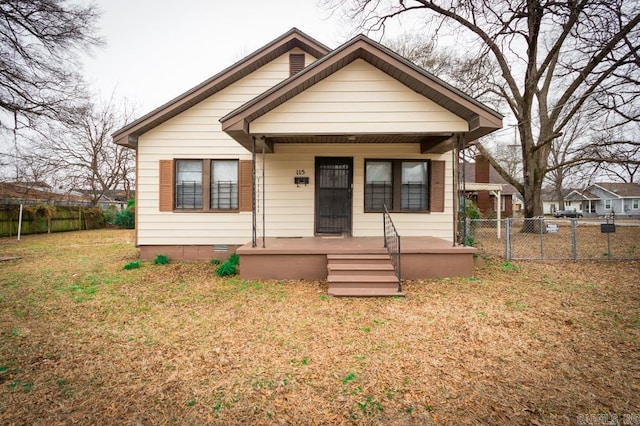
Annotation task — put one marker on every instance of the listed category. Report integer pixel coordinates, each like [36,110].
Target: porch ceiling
[437,143]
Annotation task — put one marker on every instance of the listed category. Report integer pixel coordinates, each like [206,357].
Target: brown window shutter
[166,185]
[296,63]
[246,185]
[437,186]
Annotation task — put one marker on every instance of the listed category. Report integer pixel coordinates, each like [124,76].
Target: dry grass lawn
[83,341]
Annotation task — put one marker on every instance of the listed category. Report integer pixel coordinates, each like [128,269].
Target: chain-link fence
[542,238]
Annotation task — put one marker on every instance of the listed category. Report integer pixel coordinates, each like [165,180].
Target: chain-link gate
[554,239]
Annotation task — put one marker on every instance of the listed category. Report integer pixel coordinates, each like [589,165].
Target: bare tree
[462,70]
[39,45]
[619,156]
[82,150]
[556,60]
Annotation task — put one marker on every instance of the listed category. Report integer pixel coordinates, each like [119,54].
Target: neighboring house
[288,156]
[39,193]
[115,198]
[606,198]
[551,204]
[489,190]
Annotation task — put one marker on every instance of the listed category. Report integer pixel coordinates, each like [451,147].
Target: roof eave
[292,38]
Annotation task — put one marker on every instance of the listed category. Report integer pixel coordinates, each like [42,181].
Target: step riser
[386,274]
[389,285]
[365,294]
[352,259]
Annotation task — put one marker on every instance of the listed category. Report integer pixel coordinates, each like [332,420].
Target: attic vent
[296,63]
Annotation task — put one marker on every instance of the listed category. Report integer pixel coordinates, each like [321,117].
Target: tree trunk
[560,197]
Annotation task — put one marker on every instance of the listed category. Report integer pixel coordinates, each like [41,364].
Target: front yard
[84,341]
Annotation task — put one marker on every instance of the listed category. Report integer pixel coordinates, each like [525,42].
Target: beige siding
[196,133]
[289,210]
[358,99]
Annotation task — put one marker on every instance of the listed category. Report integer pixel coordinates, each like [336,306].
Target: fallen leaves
[531,343]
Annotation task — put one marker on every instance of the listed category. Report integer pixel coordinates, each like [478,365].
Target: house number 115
[300,172]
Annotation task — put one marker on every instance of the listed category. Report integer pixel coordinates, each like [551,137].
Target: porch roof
[481,119]
[472,186]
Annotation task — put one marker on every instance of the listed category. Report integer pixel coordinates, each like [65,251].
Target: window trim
[607,204]
[206,186]
[635,203]
[396,185]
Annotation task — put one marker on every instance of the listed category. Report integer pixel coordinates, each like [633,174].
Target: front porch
[306,258]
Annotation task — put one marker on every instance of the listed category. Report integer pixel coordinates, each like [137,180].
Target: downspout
[253,193]
[264,198]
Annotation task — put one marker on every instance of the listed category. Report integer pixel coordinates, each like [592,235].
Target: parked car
[567,213]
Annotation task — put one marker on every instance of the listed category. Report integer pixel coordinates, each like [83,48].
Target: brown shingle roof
[622,189]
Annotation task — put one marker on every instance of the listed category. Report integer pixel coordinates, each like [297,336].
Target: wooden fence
[40,219]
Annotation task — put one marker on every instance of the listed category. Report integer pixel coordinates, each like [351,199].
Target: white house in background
[289,155]
[551,204]
[606,198]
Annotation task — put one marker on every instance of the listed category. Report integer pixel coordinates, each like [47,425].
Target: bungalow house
[289,158]
[606,198]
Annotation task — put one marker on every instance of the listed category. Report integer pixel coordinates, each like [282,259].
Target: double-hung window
[607,204]
[219,176]
[189,177]
[224,184]
[401,185]
[635,204]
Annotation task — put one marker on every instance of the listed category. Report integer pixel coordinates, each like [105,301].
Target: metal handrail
[392,243]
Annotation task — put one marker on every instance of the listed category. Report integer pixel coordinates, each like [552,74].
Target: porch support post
[253,192]
[264,198]
[458,186]
[498,195]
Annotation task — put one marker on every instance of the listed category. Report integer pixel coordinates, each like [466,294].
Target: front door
[334,178]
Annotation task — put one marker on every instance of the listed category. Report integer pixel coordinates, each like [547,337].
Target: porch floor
[306,257]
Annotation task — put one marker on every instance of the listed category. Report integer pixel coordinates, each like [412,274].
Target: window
[401,185]
[220,176]
[607,204]
[378,190]
[635,203]
[224,184]
[188,184]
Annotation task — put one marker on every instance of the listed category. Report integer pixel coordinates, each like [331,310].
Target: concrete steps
[361,275]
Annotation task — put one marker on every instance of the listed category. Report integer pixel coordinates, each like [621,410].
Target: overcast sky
[157,49]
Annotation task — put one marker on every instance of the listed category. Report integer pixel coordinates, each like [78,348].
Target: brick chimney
[482,176]
[482,169]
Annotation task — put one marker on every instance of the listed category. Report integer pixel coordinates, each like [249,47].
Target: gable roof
[621,190]
[128,135]
[548,194]
[482,119]
[580,195]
